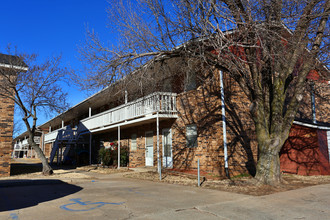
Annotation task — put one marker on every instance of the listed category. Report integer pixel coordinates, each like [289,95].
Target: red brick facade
[306,152]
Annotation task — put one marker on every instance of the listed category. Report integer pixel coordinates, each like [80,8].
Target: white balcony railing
[51,136]
[65,133]
[24,143]
[162,102]
[18,147]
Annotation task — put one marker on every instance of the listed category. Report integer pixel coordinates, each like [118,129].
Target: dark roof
[12,60]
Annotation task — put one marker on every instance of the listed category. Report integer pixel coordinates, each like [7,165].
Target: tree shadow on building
[203,108]
[305,152]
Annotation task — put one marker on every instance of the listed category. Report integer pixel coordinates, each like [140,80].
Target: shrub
[109,157]
[105,156]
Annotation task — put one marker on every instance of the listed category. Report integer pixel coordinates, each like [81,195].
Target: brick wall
[136,157]
[203,108]
[305,152]
[322,103]
[6,133]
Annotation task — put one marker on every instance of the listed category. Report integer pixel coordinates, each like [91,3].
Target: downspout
[224,131]
[313,102]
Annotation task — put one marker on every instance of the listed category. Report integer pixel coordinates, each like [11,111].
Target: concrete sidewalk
[114,197]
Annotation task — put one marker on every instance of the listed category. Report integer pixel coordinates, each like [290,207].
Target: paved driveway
[114,197]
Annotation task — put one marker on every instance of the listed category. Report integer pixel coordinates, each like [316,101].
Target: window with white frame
[191,135]
[190,81]
[133,142]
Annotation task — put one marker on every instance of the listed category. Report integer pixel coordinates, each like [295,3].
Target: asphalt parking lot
[115,197]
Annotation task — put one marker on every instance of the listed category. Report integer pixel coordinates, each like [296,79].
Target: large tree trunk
[46,168]
[268,166]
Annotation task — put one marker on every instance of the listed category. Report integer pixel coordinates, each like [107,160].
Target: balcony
[24,143]
[145,108]
[63,134]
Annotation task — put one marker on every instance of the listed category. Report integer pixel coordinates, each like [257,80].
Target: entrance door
[167,148]
[149,149]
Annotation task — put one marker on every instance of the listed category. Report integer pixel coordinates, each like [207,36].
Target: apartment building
[173,115]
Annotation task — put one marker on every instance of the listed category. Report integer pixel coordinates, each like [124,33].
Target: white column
[118,147]
[126,110]
[158,155]
[90,148]
[43,142]
[90,112]
[62,124]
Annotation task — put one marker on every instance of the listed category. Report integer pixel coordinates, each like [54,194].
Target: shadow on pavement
[26,168]
[19,194]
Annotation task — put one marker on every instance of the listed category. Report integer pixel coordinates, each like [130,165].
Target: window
[190,81]
[167,143]
[191,135]
[167,85]
[133,142]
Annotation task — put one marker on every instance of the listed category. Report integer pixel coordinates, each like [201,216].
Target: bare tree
[267,46]
[36,89]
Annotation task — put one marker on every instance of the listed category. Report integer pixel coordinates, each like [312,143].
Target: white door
[149,149]
[167,148]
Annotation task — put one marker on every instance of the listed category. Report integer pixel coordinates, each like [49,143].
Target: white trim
[328,140]
[311,125]
[13,67]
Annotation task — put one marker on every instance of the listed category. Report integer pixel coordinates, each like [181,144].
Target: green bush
[109,157]
[105,156]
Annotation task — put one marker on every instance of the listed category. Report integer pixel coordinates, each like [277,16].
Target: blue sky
[52,27]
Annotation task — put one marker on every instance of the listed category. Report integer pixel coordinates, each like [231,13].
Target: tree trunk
[46,168]
[268,167]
